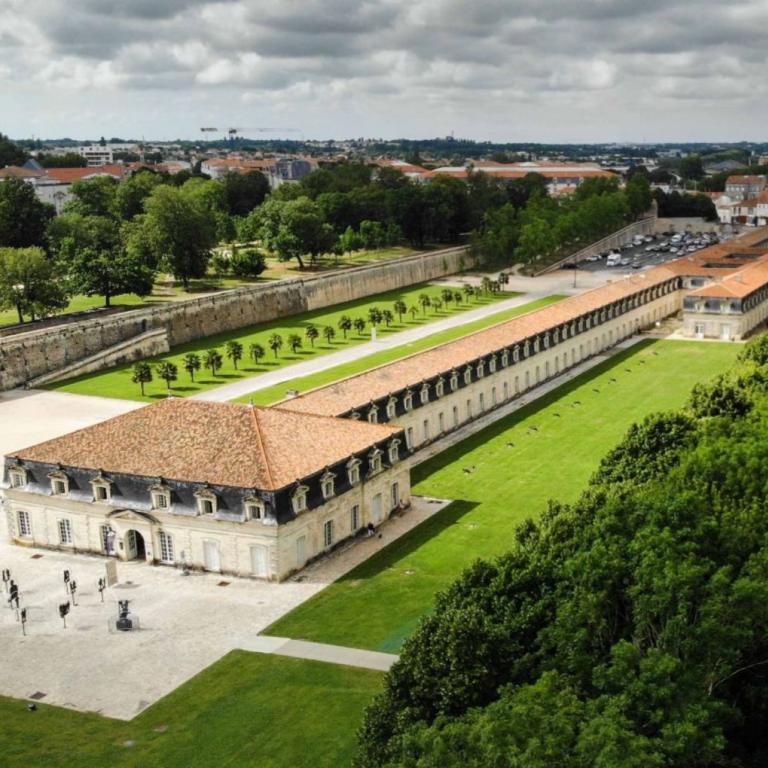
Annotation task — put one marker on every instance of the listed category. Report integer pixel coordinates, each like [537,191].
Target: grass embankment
[276,393]
[116,382]
[513,471]
[247,709]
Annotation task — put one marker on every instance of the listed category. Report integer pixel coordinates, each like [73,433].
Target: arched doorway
[135,548]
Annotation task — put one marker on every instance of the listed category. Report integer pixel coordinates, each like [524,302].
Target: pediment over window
[133,515]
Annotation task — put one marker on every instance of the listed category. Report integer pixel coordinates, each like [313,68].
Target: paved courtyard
[187,622]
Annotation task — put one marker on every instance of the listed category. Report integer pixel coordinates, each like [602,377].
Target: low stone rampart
[25,357]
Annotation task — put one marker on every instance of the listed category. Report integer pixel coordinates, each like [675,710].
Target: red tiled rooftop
[219,443]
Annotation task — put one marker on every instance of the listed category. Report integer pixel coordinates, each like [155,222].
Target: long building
[262,491]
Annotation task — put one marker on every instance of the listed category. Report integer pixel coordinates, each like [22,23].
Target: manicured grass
[116,382]
[276,393]
[513,472]
[248,709]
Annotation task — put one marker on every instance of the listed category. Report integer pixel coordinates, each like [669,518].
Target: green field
[513,471]
[116,382]
[273,394]
[247,709]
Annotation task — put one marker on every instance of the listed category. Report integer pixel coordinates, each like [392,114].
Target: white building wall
[527,373]
[190,534]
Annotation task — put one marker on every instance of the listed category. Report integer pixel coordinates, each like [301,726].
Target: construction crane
[235,131]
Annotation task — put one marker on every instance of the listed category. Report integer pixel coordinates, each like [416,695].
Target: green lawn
[513,471]
[116,382]
[273,394]
[248,709]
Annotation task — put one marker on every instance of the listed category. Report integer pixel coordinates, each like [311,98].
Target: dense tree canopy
[23,217]
[30,283]
[628,629]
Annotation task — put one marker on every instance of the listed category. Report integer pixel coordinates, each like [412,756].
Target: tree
[256,352]
[295,228]
[375,316]
[212,360]
[400,308]
[425,302]
[142,374]
[275,343]
[387,316]
[67,160]
[457,297]
[234,351]
[93,197]
[168,372]
[247,263]
[447,296]
[23,217]
[179,232]
[11,153]
[30,283]
[469,290]
[485,284]
[345,324]
[329,333]
[295,342]
[244,191]
[437,305]
[691,167]
[639,196]
[132,193]
[359,325]
[191,364]
[414,310]
[311,332]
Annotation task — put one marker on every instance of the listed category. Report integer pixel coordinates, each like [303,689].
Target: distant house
[744,187]
[52,185]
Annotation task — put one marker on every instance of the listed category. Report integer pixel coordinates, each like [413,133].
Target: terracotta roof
[357,391]
[219,443]
[744,179]
[19,172]
[738,285]
[68,175]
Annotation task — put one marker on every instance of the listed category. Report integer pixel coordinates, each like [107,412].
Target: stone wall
[614,240]
[28,356]
[154,342]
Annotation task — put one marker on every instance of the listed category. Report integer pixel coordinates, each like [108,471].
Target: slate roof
[219,443]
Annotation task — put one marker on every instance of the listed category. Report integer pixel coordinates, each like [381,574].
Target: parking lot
[652,251]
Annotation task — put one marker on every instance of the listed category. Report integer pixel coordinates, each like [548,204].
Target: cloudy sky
[504,70]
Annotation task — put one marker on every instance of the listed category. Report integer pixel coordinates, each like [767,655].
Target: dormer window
[353,471]
[425,394]
[374,462]
[439,388]
[254,508]
[516,354]
[299,499]
[161,496]
[454,381]
[505,358]
[408,401]
[373,415]
[536,345]
[207,502]
[59,483]
[17,476]
[102,488]
[391,407]
[527,349]
[468,375]
[492,364]
[328,485]
[393,451]
[480,369]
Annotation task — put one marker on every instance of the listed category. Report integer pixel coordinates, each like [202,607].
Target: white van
[613,260]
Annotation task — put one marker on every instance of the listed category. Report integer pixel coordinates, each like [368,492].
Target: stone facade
[132,523]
